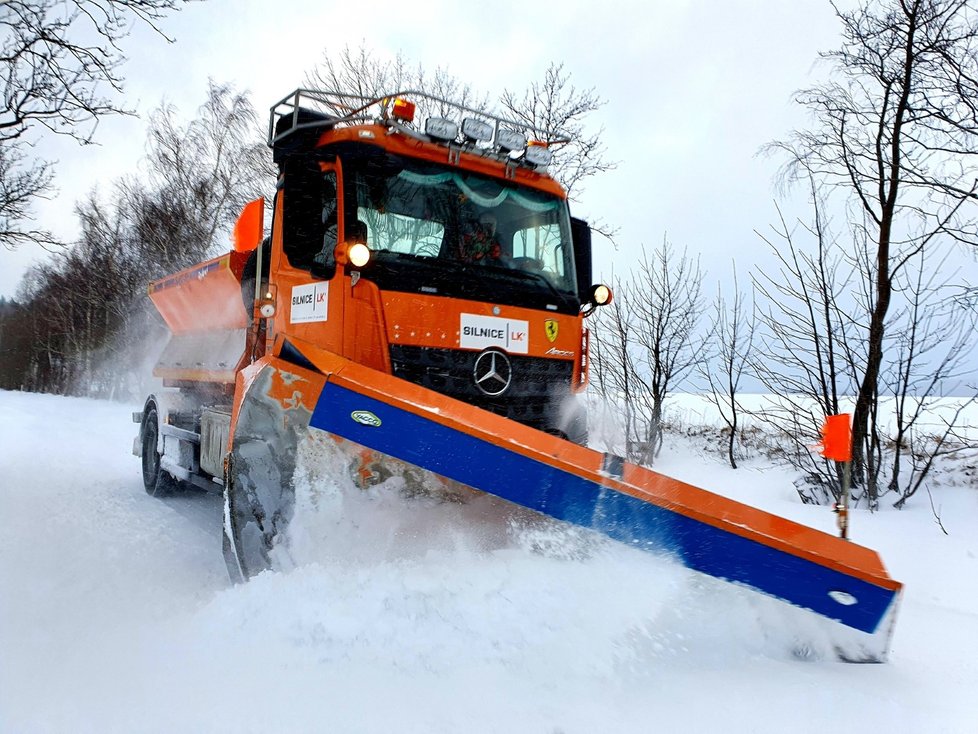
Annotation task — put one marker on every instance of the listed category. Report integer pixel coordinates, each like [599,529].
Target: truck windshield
[447,228]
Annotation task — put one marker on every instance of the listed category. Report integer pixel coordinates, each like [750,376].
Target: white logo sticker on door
[309,303]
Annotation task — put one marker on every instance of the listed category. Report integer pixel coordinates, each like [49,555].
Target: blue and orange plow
[281,400]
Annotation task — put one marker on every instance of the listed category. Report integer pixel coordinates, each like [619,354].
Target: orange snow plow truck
[419,307]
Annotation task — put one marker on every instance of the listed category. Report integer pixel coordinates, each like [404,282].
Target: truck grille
[533,397]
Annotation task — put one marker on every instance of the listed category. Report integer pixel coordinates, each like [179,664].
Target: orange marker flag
[250,227]
[837,437]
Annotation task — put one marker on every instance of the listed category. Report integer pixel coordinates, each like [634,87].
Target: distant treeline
[78,317]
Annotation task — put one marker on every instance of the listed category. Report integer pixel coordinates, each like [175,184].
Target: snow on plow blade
[845,585]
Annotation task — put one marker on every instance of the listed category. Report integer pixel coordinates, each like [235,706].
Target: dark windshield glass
[465,227]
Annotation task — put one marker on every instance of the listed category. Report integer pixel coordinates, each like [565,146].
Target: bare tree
[61,62]
[361,72]
[15,340]
[732,333]
[22,181]
[947,440]
[556,105]
[896,134]
[372,75]
[614,362]
[814,316]
[804,355]
[87,306]
[668,304]
[649,343]
[930,350]
[200,173]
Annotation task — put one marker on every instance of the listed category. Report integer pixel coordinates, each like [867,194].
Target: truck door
[308,218]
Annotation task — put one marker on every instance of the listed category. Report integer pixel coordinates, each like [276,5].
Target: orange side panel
[205,297]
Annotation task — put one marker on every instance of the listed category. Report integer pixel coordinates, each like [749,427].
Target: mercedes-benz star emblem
[492,372]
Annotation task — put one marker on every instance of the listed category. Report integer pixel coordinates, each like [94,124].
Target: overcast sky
[694,88]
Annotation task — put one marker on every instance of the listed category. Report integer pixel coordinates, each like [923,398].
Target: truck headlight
[358,254]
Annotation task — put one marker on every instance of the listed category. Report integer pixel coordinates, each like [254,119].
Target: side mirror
[581,236]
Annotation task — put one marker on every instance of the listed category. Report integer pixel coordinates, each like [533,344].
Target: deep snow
[417,616]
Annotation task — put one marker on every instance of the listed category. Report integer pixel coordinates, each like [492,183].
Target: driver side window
[325,259]
[310,224]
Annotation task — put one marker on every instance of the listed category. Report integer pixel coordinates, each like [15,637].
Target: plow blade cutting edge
[844,585]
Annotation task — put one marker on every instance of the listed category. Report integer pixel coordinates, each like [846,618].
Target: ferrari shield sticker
[550,328]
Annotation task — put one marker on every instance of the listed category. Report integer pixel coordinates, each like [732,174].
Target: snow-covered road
[116,614]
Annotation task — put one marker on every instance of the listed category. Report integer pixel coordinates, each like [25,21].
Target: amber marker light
[403,110]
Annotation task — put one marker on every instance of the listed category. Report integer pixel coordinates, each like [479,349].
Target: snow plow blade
[277,401]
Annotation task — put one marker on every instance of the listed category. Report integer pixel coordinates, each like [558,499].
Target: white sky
[693,87]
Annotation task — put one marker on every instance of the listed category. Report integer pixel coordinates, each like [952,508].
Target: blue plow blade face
[845,612]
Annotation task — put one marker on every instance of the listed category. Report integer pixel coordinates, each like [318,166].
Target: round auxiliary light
[267,310]
[358,254]
[601,295]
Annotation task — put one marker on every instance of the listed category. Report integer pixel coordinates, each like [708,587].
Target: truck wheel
[246,541]
[156,481]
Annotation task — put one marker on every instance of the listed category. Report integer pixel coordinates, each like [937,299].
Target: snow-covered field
[116,614]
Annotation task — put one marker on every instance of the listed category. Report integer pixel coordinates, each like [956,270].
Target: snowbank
[426,616]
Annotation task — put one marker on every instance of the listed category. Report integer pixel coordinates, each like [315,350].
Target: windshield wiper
[536,277]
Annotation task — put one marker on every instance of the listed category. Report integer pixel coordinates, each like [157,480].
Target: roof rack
[308,109]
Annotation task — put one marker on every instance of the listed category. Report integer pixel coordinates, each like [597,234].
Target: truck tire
[156,481]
